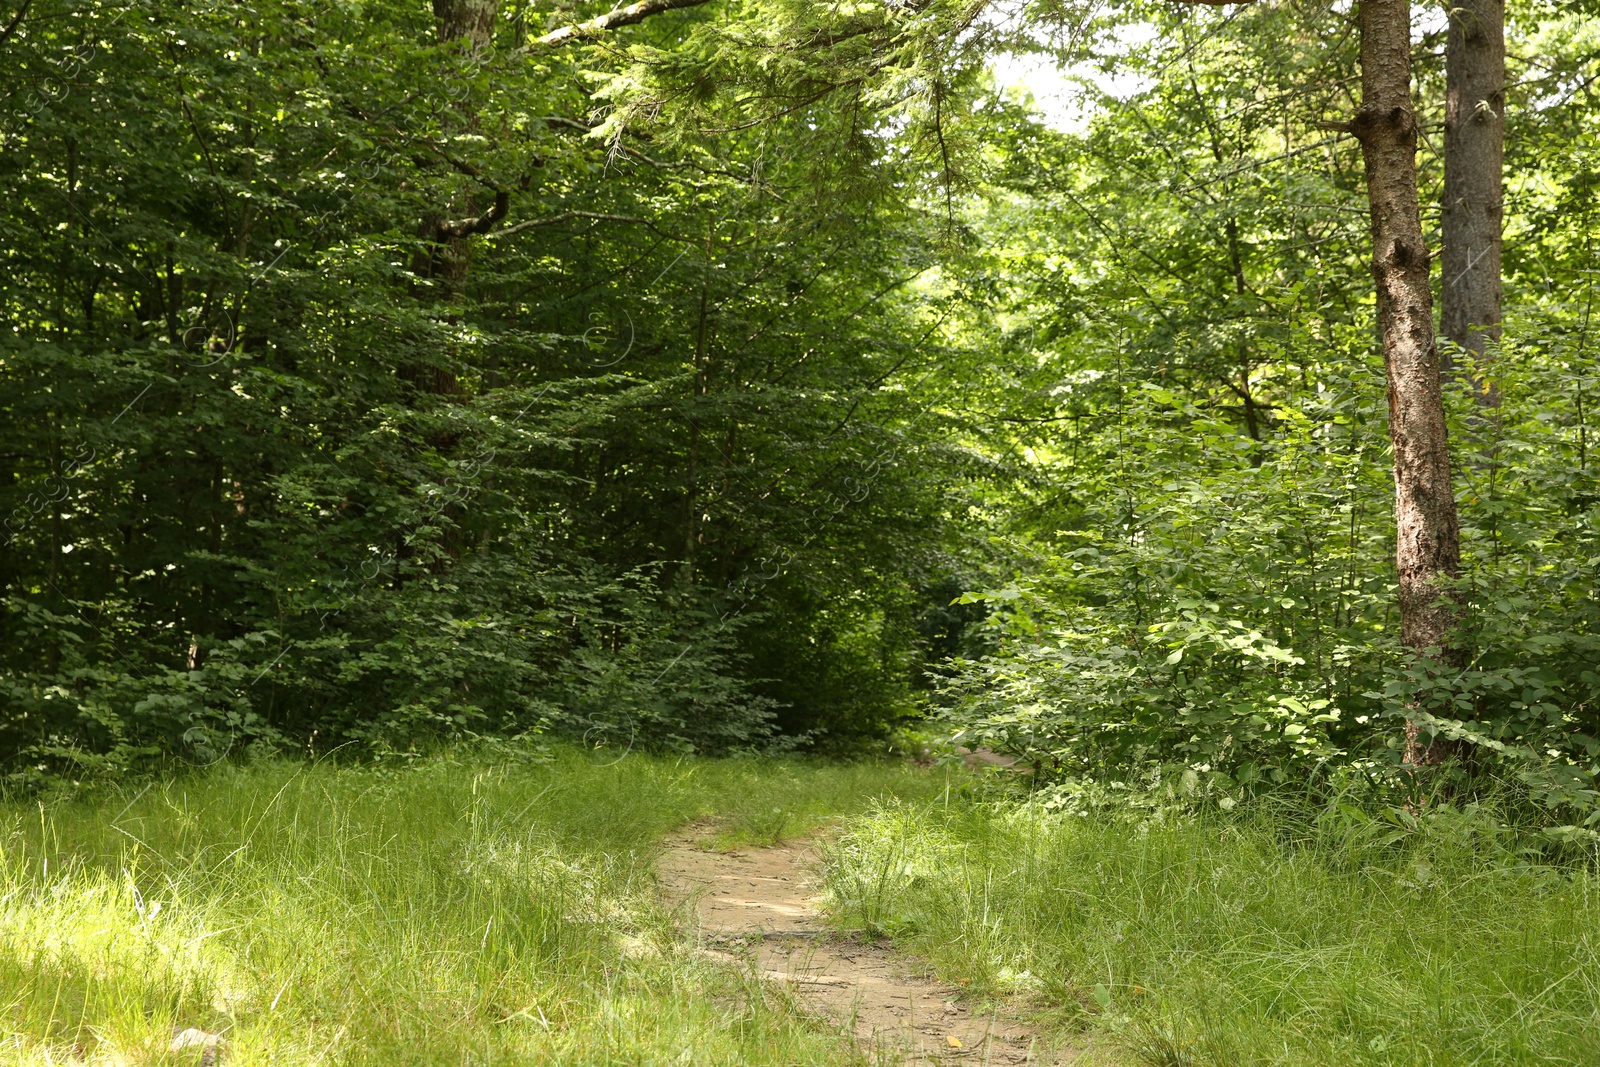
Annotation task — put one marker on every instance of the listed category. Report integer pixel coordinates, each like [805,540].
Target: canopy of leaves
[665,376]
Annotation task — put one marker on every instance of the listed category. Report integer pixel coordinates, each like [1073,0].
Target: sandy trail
[760,904]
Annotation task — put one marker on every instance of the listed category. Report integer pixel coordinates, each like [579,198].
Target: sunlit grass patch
[458,911]
[1240,939]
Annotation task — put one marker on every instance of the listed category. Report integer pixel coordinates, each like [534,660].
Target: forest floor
[760,907]
[474,908]
[560,907]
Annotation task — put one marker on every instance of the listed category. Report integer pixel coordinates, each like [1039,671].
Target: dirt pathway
[760,904]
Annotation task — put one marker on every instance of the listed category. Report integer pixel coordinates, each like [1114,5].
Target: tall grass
[1263,936]
[455,912]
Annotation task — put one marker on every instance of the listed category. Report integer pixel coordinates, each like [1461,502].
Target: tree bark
[1428,550]
[445,258]
[450,255]
[469,20]
[1473,202]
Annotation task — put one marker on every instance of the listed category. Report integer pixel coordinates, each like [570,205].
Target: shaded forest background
[761,375]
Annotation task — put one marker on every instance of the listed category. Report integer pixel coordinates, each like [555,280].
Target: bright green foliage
[478,908]
[1180,290]
[750,377]
[665,387]
[1256,937]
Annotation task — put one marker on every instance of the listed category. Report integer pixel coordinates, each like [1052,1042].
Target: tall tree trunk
[449,256]
[1473,204]
[444,258]
[471,20]
[1428,549]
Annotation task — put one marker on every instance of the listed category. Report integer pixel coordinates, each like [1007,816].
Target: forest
[1112,476]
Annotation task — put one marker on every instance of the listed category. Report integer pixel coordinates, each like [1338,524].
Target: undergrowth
[463,910]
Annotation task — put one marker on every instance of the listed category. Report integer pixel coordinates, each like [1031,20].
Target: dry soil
[759,906]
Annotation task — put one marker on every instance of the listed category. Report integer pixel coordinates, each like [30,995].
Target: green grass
[461,911]
[1258,937]
[468,910]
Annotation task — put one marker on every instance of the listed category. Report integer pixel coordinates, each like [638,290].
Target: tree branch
[16,20]
[622,16]
[551,220]
[452,228]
